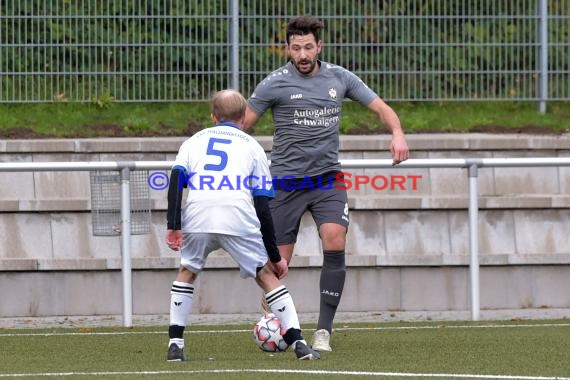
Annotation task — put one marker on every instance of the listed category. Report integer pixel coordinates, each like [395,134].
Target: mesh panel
[106,203]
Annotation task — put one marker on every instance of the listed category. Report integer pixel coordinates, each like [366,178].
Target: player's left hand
[174,239]
[280,268]
[399,148]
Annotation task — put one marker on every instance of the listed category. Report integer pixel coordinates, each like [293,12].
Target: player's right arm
[250,119]
[261,100]
[174,213]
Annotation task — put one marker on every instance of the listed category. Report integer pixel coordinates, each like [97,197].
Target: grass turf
[67,120]
[520,348]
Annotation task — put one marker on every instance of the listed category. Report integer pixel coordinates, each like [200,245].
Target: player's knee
[265,278]
[334,240]
[185,275]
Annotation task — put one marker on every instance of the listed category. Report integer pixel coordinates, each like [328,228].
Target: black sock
[175,332]
[292,335]
[333,274]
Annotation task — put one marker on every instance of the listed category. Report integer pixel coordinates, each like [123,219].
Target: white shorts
[247,251]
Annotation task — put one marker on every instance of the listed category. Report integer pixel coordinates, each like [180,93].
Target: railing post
[235,44]
[474,241]
[126,269]
[543,54]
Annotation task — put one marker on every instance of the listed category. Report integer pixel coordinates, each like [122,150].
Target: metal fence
[175,50]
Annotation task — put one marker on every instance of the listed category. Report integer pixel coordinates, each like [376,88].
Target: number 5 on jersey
[211,151]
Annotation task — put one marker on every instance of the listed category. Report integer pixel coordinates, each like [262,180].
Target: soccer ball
[268,334]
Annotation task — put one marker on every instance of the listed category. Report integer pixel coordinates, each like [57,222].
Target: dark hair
[302,26]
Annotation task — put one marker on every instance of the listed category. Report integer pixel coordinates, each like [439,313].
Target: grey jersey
[306,113]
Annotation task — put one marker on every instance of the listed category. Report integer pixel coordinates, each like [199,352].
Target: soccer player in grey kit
[306,97]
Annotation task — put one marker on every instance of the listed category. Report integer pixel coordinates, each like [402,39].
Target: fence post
[235,44]
[543,54]
[126,269]
[474,241]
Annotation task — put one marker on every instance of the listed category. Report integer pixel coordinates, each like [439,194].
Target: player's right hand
[174,239]
[280,268]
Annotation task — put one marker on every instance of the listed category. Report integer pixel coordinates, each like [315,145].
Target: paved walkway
[342,317]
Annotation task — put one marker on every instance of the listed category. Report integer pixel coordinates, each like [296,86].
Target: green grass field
[69,120]
[531,350]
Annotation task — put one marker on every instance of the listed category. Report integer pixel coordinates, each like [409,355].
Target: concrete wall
[368,288]
[410,246]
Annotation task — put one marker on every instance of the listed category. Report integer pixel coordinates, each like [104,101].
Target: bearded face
[303,52]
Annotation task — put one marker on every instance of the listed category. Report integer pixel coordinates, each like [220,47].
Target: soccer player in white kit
[229,181]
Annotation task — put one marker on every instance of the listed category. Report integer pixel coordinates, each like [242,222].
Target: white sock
[281,304]
[181,296]
[294,345]
[177,341]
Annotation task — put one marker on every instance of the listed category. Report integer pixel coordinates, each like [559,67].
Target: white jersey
[225,168]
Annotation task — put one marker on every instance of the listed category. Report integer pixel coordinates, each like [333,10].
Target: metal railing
[471,164]
[103,51]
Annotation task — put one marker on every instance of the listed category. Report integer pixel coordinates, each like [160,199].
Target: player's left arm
[261,197]
[357,90]
[278,263]
[389,119]
[261,204]
[263,212]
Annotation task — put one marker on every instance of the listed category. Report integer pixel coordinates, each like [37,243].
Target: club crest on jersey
[332,93]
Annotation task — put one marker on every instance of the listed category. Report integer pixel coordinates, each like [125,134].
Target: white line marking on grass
[287,371]
[89,333]
[495,326]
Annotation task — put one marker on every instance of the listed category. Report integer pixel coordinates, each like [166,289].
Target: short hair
[228,105]
[302,26]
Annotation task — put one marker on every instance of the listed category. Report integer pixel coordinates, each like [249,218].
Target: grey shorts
[325,206]
[247,251]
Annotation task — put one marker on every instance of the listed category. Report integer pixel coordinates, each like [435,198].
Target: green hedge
[179,50]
